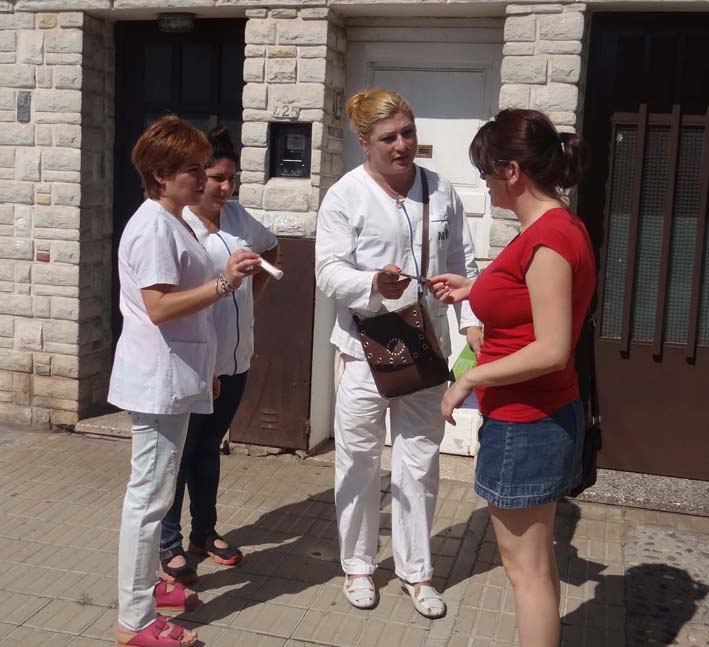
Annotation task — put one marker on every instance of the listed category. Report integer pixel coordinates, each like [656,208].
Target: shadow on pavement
[647,605]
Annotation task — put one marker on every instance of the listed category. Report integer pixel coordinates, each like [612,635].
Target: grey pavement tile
[35,580]
[6,628]
[83,641]
[34,637]
[378,633]
[486,624]
[506,628]
[307,569]
[466,620]
[232,584]
[222,611]
[103,627]
[238,638]
[269,618]
[289,592]
[207,634]
[334,629]
[17,608]
[65,616]
[93,589]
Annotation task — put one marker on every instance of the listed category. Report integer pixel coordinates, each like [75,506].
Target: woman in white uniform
[371,219]
[164,364]
[223,227]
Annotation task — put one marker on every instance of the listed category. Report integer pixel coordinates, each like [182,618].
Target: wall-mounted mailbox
[290,145]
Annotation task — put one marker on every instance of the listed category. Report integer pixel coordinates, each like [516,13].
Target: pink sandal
[178,598]
[155,634]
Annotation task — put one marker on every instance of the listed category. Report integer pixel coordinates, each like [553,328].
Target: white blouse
[233,314]
[164,369]
[360,229]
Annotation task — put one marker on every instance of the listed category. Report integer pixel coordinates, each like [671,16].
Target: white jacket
[360,229]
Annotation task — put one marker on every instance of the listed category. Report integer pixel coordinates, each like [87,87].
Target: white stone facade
[56,178]
[56,154]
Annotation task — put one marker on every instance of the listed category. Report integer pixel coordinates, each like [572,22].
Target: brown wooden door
[275,410]
[645,202]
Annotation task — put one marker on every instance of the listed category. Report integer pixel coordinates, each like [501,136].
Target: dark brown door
[275,410]
[645,202]
[197,75]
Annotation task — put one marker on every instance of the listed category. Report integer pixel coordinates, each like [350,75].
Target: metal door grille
[656,286]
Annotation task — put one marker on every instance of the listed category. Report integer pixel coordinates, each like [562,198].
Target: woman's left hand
[454,396]
[216,387]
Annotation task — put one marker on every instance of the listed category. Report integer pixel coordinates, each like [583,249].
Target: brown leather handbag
[401,347]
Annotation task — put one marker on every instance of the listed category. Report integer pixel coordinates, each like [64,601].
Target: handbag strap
[595,409]
[424,236]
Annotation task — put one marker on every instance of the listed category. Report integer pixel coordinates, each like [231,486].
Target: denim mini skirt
[521,464]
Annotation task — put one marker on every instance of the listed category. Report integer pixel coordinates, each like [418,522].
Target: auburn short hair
[164,147]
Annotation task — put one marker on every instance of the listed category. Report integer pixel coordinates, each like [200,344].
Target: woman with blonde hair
[370,228]
[164,364]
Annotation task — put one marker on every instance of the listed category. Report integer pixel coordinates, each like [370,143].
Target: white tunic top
[360,229]
[233,314]
[164,369]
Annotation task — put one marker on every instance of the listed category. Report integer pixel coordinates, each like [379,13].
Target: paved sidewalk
[629,577]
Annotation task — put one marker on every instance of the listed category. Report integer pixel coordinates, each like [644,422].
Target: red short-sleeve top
[500,299]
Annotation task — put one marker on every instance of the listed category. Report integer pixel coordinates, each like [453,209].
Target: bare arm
[260,280]
[164,303]
[549,280]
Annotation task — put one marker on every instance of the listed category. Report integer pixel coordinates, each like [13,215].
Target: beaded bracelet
[223,286]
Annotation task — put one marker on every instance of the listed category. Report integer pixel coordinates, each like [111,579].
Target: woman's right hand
[450,288]
[389,284]
[239,265]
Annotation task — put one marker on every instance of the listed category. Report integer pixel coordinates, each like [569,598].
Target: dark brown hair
[550,159]
[164,147]
[222,146]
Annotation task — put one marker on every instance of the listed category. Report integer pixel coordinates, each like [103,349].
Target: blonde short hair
[367,108]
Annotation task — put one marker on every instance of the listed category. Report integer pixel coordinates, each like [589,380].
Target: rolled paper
[271,269]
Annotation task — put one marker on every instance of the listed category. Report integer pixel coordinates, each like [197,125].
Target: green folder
[466,360]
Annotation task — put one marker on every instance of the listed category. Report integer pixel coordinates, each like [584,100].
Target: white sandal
[427,601]
[360,592]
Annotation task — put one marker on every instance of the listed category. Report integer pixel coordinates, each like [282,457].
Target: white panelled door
[450,74]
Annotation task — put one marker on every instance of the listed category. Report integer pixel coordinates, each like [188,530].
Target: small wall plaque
[424,150]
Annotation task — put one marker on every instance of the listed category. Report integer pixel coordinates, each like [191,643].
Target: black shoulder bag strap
[595,409]
[424,235]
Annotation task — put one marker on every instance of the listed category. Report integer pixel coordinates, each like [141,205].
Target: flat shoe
[184,574]
[159,633]
[229,556]
[428,602]
[360,592]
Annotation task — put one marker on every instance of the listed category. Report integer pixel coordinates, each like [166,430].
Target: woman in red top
[532,300]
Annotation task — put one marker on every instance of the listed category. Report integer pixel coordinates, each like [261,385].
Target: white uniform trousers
[416,434]
[158,441]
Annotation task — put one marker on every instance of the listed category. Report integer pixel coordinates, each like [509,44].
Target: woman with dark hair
[223,228]
[164,364]
[532,299]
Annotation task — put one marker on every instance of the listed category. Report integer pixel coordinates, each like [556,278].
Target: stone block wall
[55,214]
[541,69]
[294,71]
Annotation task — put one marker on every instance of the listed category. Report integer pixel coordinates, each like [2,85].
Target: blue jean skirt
[521,464]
